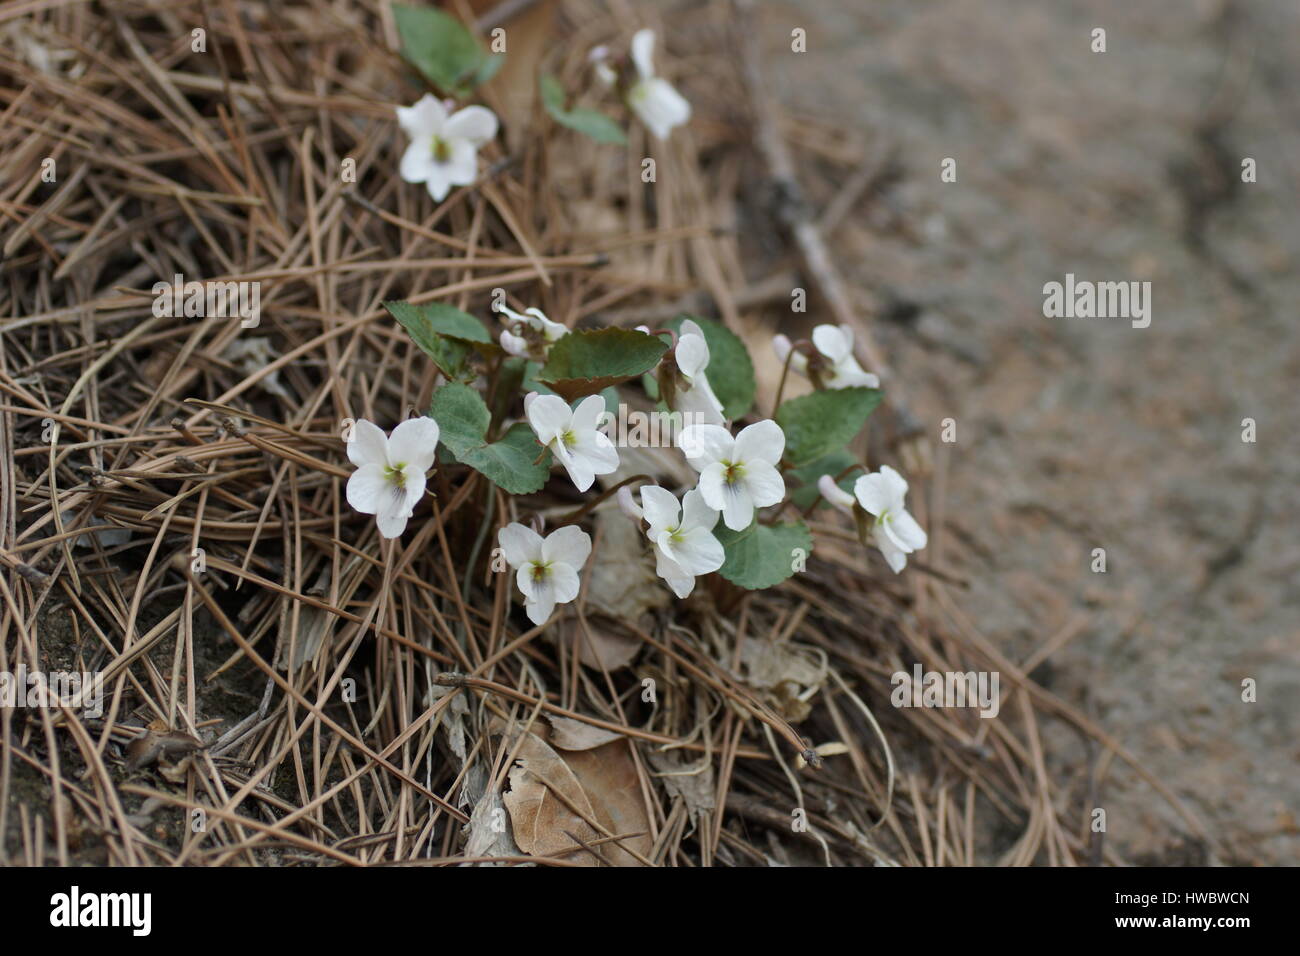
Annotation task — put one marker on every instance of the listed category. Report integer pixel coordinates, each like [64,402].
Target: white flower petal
[552,332]
[577,466]
[696,512]
[417,162]
[413,489]
[761,441]
[661,508]
[699,402]
[681,581]
[527,582]
[907,532]
[597,450]
[437,182]
[782,346]
[713,485]
[763,483]
[702,444]
[475,124]
[832,342]
[424,119]
[414,442]
[369,446]
[696,551]
[367,488]
[849,374]
[872,493]
[393,512]
[643,48]
[569,545]
[895,556]
[659,106]
[539,608]
[514,344]
[586,414]
[737,508]
[834,494]
[565,583]
[692,351]
[461,165]
[627,504]
[520,544]
[549,416]
[896,485]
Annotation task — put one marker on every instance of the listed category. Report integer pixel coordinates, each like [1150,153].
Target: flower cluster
[730,521]
[654,100]
[832,362]
[719,525]
[445,141]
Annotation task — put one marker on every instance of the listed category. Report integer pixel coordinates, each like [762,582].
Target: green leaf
[802,482]
[531,384]
[443,49]
[510,380]
[762,556]
[446,334]
[511,463]
[590,123]
[488,68]
[730,371]
[818,424]
[589,361]
[612,400]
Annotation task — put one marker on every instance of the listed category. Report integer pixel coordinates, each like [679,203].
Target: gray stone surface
[1075,434]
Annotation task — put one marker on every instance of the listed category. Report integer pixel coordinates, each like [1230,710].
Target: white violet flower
[835,343]
[444,149]
[544,333]
[737,474]
[572,435]
[683,536]
[391,470]
[694,395]
[652,98]
[546,568]
[894,531]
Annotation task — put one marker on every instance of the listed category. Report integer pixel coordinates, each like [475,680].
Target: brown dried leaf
[542,791]
[601,782]
[573,735]
[786,674]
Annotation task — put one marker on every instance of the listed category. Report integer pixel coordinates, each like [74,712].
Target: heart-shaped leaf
[510,463]
[762,556]
[816,425]
[446,334]
[589,361]
[590,123]
[443,49]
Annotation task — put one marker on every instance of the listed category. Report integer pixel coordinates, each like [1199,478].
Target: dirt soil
[1088,433]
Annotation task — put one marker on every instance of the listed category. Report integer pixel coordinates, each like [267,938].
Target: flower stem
[575,515]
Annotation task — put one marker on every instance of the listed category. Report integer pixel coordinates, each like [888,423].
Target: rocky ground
[1075,434]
